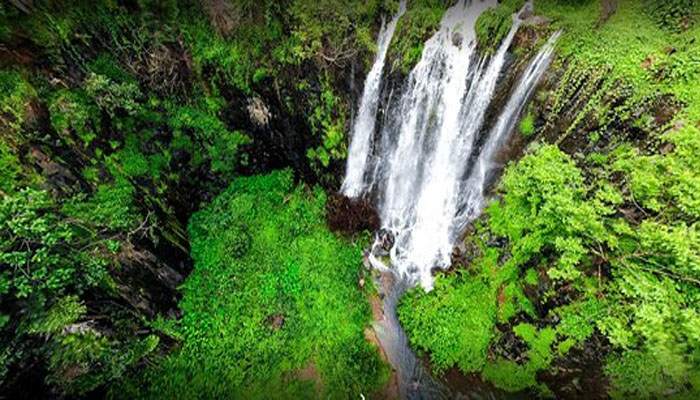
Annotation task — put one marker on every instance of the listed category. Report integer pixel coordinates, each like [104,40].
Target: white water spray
[364,125]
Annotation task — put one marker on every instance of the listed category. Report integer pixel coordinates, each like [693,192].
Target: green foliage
[73,113]
[112,96]
[137,96]
[201,132]
[111,206]
[421,20]
[27,220]
[514,302]
[10,168]
[328,121]
[655,324]
[244,41]
[494,24]
[66,311]
[272,292]
[512,376]
[527,125]
[324,30]
[47,263]
[454,322]
[544,208]
[86,360]
[5,27]
[577,322]
[625,46]
[15,96]
[666,181]
[15,93]
[674,15]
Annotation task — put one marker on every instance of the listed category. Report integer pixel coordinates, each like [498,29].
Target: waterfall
[434,128]
[364,125]
[427,174]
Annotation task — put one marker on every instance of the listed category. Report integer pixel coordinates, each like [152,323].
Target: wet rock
[457,39]
[365,259]
[580,375]
[525,14]
[385,240]
[259,113]
[609,7]
[80,328]
[511,347]
[537,20]
[175,313]
[499,242]
[435,271]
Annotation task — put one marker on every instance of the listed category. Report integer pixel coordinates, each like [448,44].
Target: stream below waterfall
[427,166]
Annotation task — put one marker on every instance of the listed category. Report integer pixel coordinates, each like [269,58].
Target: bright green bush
[527,125]
[492,27]
[421,20]
[544,207]
[454,322]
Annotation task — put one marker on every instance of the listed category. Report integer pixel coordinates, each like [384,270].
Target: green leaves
[514,377]
[32,245]
[111,206]
[66,311]
[198,130]
[72,112]
[328,122]
[421,19]
[674,15]
[527,125]
[492,27]
[454,322]
[544,208]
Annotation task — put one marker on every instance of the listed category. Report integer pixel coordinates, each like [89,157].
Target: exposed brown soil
[348,216]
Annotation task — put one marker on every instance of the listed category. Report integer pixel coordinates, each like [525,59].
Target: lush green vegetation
[119,120]
[420,21]
[494,24]
[272,292]
[527,124]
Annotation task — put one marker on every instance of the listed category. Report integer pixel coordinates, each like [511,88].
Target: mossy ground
[273,292]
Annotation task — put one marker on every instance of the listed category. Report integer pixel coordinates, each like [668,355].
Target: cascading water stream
[475,186]
[436,122]
[364,125]
[417,170]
